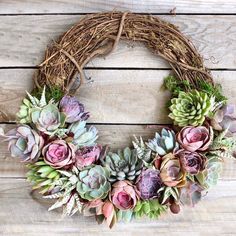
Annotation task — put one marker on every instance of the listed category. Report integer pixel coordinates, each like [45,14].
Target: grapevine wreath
[176,167]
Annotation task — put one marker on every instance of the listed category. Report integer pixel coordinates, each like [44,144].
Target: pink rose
[123,195]
[195,138]
[87,156]
[59,154]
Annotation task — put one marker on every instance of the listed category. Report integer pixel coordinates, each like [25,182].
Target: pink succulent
[195,138]
[73,109]
[59,154]
[87,156]
[192,162]
[123,195]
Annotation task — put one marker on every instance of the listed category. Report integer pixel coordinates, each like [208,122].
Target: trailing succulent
[172,169]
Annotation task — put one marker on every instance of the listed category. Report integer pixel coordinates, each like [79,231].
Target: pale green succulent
[42,176]
[123,165]
[81,135]
[48,119]
[164,142]
[191,108]
[151,208]
[93,183]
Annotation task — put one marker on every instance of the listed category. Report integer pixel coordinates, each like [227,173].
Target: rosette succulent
[123,195]
[171,172]
[195,138]
[225,119]
[73,109]
[123,165]
[191,108]
[93,183]
[87,156]
[24,143]
[59,154]
[164,142]
[192,162]
[48,118]
[148,183]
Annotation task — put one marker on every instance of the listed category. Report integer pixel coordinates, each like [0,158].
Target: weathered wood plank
[113,97]
[115,136]
[84,6]
[23,215]
[23,40]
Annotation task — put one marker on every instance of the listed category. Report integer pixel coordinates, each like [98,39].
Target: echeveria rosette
[225,119]
[123,195]
[59,154]
[87,156]
[24,143]
[163,143]
[48,118]
[93,183]
[192,162]
[73,109]
[191,108]
[194,139]
[171,172]
[148,184]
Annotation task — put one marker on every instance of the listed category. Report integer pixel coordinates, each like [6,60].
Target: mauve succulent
[194,139]
[148,183]
[59,154]
[73,109]
[225,118]
[24,143]
[87,156]
[192,162]
[171,172]
[123,195]
[47,119]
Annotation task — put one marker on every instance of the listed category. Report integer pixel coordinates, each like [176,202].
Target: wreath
[176,167]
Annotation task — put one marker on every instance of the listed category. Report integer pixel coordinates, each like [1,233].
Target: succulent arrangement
[173,169]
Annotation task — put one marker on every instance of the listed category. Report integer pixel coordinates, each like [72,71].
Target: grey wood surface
[113,98]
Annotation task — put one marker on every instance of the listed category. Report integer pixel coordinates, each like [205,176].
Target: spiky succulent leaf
[167,192]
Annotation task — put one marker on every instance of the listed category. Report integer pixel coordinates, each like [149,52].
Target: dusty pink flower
[195,138]
[73,109]
[87,156]
[59,154]
[123,195]
[192,162]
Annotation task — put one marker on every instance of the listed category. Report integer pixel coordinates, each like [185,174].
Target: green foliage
[54,93]
[151,208]
[167,192]
[125,216]
[175,86]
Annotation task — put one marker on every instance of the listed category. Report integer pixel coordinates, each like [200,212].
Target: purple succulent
[73,109]
[148,184]
[225,118]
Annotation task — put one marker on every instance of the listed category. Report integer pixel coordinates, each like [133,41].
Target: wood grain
[23,215]
[112,97]
[84,6]
[23,40]
[115,136]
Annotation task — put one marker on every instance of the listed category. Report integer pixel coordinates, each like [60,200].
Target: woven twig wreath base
[98,34]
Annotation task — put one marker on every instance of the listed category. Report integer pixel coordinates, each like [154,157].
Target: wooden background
[118,107]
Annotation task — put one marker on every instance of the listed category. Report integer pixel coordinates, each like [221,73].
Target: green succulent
[42,176]
[167,192]
[123,165]
[65,193]
[125,216]
[191,108]
[93,183]
[151,208]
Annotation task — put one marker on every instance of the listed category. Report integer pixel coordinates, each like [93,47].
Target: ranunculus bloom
[73,109]
[192,162]
[195,138]
[123,195]
[59,154]
[87,156]
[171,172]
